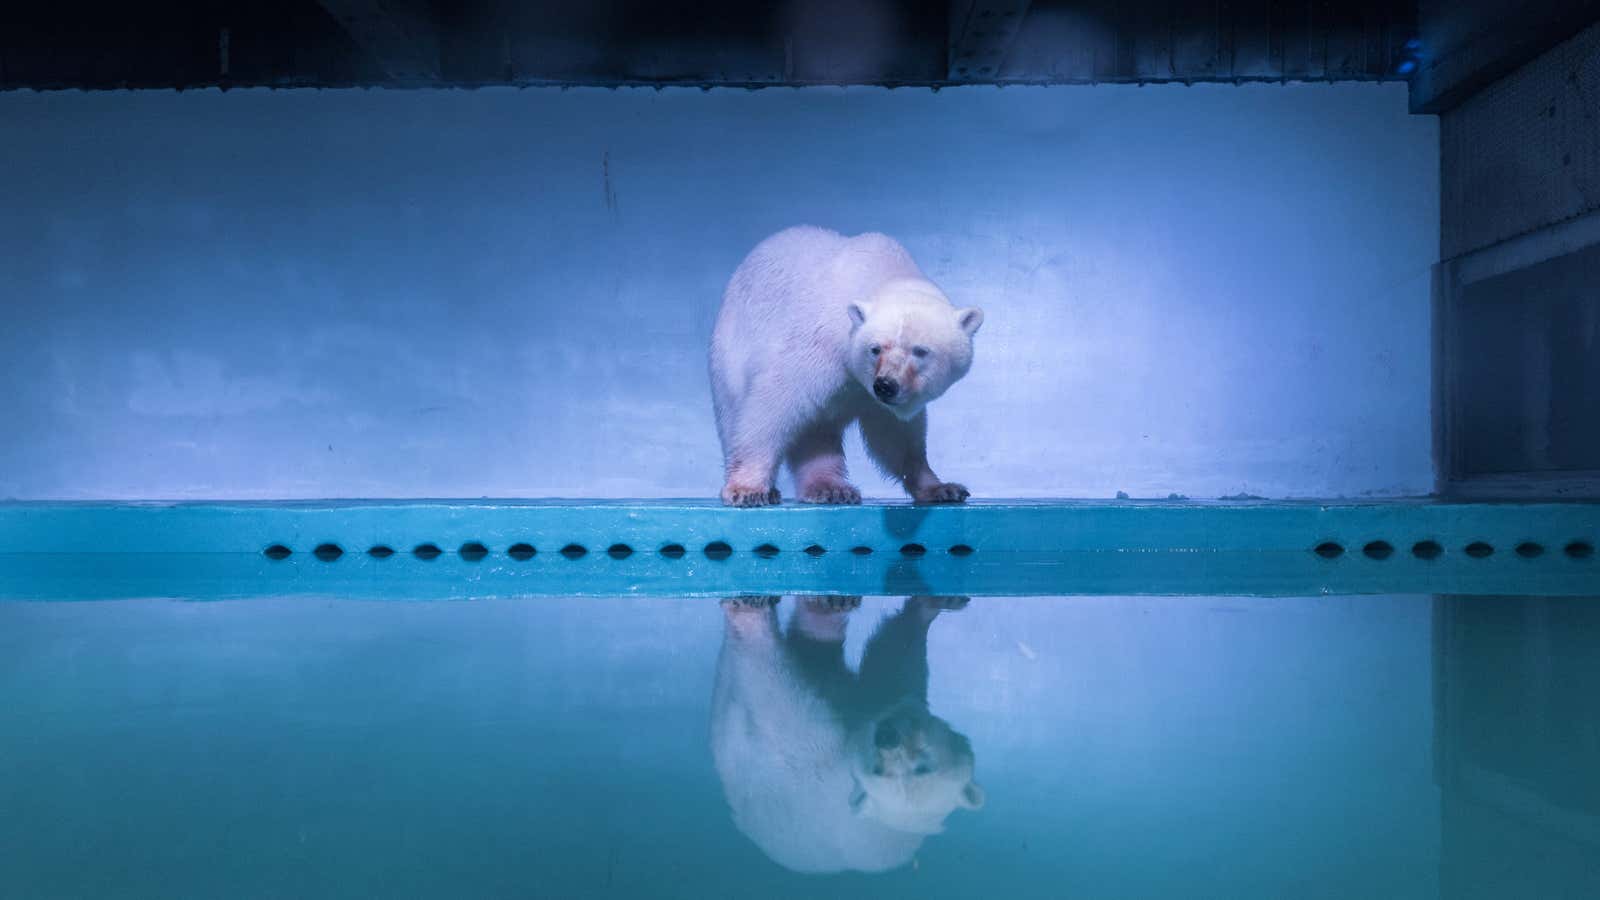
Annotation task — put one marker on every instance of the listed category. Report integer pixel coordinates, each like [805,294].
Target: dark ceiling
[1447,50]
[660,42]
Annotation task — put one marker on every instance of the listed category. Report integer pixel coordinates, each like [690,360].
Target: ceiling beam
[400,36]
[981,34]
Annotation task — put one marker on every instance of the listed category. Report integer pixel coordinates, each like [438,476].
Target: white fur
[792,365]
[792,740]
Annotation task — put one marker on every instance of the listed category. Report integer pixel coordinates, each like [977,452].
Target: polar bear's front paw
[743,602]
[828,491]
[746,495]
[830,603]
[927,608]
[943,492]
[947,602]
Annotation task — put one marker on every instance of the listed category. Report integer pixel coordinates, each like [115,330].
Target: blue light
[1414,44]
[1407,66]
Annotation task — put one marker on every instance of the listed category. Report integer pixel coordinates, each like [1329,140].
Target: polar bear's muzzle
[900,741]
[886,736]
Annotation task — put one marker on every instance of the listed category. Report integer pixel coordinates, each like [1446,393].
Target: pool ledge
[419,549]
[992,527]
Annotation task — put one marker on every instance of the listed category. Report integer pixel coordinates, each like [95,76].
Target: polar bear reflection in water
[825,769]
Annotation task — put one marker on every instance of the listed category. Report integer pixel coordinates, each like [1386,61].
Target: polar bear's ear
[859,801]
[969,319]
[972,796]
[857,315]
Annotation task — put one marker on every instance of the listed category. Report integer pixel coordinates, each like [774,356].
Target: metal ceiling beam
[981,34]
[427,43]
[401,37]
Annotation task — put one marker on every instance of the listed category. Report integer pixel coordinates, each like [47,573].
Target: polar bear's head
[908,344]
[912,770]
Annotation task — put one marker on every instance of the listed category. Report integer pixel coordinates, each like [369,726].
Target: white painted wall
[1204,290]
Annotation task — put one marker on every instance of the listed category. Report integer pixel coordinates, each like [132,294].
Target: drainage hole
[913,550]
[1328,550]
[861,551]
[279,551]
[816,550]
[328,552]
[574,551]
[961,550]
[472,551]
[1577,550]
[766,551]
[673,551]
[521,551]
[1426,549]
[379,551]
[1529,550]
[1378,550]
[426,551]
[1479,550]
[619,551]
[718,550]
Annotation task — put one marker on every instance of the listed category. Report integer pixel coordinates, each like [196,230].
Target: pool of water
[1134,746]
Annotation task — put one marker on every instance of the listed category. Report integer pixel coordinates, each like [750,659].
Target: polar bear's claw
[828,603]
[751,601]
[841,492]
[943,492]
[736,495]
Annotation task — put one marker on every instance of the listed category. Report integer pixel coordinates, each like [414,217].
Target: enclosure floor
[400,549]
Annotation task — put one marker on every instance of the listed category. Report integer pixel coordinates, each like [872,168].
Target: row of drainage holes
[474,551]
[1432,550]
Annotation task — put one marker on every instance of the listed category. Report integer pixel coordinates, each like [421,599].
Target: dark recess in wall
[1525,402]
[1517,293]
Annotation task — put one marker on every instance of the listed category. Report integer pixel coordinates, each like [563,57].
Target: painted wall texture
[1205,290]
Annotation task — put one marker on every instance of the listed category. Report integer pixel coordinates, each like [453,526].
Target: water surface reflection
[1517,745]
[828,769]
[1400,746]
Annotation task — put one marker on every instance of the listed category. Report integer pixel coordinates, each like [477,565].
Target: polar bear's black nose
[886,736]
[885,388]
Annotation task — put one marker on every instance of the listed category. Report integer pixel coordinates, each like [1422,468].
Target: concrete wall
[1203,290]
[1524,152]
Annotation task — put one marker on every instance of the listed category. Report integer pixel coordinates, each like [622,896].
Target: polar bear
[823,769]
[818,330]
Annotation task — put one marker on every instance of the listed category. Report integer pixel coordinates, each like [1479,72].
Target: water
[1382,746]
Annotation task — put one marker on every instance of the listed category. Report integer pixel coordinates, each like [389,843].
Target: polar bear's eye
[874,349]
[919,352]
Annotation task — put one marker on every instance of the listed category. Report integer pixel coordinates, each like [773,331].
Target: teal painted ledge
[696,548]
